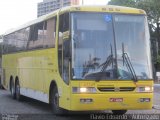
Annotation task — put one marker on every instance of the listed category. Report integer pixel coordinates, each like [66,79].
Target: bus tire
[17,91]
[55,103]
[119,112]
[0,83]
[12,89]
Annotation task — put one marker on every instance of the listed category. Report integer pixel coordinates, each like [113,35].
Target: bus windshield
[99,41]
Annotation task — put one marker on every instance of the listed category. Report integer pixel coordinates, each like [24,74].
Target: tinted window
[21,37]
[9,43]
[41,35]
[36,36]
[50,33]
[5,44]
[63,48]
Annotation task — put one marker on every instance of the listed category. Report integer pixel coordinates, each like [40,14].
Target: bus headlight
[84,90]
[145,89]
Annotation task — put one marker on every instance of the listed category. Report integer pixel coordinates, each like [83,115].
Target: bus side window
[26,37]
[64,44]
[21,37]
[50,33]
[5,45]
[36,36]
[11,43]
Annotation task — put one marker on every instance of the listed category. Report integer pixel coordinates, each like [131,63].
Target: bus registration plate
[116,99]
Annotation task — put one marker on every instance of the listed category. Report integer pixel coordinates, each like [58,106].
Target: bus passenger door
[64,59]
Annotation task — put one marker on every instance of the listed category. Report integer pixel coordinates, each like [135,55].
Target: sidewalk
[157,85]
[157,88]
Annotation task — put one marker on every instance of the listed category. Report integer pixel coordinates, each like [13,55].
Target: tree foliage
[152,7]
[128,3]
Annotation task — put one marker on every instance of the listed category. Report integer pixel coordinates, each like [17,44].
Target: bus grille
[116,89]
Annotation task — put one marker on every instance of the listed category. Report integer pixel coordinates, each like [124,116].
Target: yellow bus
[82,58]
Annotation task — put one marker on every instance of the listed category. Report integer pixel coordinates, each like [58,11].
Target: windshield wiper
[104,66]
[107,63]
[128,63]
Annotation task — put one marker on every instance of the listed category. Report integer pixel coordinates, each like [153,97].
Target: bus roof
[84,8]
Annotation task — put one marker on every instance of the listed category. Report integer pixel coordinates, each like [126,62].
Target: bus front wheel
[55,103]
[119,112]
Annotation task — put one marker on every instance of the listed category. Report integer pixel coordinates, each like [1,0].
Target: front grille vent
[116,89]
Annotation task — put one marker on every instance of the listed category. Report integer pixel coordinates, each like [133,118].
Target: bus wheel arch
[52,85]
[54,99]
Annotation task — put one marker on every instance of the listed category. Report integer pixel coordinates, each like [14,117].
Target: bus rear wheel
[55,103]
[18,95]
[119,112]
[12,89]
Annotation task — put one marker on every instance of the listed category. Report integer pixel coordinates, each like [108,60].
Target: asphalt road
[30,109]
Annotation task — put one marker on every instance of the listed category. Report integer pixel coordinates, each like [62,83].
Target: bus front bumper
[125,101]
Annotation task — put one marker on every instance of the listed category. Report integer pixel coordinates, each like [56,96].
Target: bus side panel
[9,69]
[37,69]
